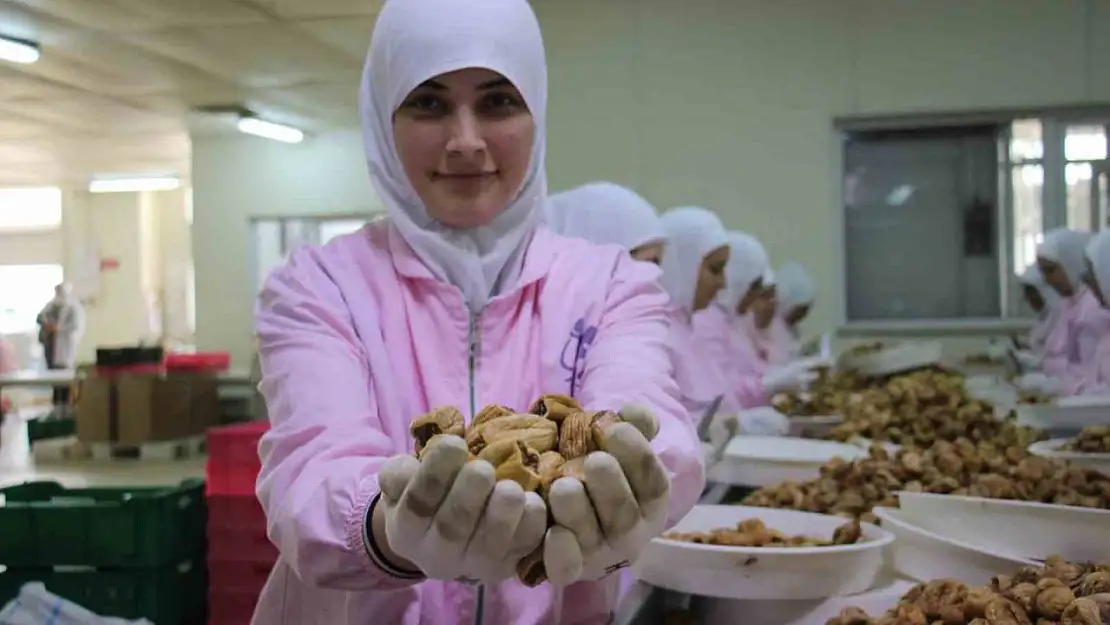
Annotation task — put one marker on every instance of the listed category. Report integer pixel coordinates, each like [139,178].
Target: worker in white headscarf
[1045,303]
[607,213]
[455,308]
[61,326]
[796,294]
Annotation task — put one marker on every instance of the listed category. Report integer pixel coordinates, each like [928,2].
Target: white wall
[726,103]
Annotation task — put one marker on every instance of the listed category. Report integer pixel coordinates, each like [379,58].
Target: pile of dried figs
[984,469]
[1091,440]
[533,449]
[1058,593]
[830,393]
[754,533]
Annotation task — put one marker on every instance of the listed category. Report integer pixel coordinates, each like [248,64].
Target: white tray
[814,425]
[924,555]
[1051,449]
[1067,415]
[775,573]
[1018,529]
[767,460]
[882,597]
[904,357]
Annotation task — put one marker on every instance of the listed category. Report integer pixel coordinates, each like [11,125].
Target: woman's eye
[502,102]
[425,103]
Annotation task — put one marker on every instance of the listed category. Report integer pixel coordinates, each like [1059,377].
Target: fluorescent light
[124,185]
[18,51]
[270,130]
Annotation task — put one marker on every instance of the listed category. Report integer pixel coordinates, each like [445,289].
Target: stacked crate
[123,552]
[240,556]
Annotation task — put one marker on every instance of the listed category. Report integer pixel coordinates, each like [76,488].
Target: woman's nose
[466,134]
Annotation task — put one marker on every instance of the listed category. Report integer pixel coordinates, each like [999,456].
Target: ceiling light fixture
[269,130]
[18,50]
[134,185]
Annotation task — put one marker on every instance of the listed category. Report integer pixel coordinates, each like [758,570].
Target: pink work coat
[357,339]
[766,343]
[721,339]
[1073,341]
[700,379]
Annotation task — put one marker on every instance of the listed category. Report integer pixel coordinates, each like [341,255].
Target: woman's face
[1092,282]
[649,253]
[711,277]
[465,141]
[1055,277]
[764,307]
[1033,297]
[755,289]
[797,314]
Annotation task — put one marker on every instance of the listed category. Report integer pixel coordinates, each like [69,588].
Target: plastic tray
[782,573]
[882,597]
[173,595]
[1016,529]
[44,524]
[1052,449]
[767,460]
[233,462]
[1066,416]
[924,555]
[814,426]
[898,359]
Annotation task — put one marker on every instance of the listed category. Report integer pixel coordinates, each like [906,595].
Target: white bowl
[1052,449]
[878,600]
[924,555]
[1016,529]
[814,425]
[767,460]
[771,573]
[1068,415]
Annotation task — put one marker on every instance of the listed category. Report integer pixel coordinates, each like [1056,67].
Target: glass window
[28,209]
[1027,182]
[1085,143]
[1078,178]
[1025,140]
[331,228]
[24,290]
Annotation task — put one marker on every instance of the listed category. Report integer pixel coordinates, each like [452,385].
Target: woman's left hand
[605,520]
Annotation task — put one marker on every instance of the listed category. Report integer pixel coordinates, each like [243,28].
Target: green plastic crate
[43,524]
[173,595]
[45,429]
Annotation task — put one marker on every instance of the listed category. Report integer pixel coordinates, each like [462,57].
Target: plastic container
[876,601]
[128,356]
[767,460]
[775,573]
[904,357]
[814,426]
[233,462]
[47,429]
[1053,449]
[924,555]
[1014,529]
[237,531]
[172,595]
[43,524]
[199,361]
[1067,416]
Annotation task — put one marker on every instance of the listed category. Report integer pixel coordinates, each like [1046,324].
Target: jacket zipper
[474,348]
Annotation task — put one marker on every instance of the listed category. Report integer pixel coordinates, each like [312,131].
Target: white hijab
[796,287]
[413,41]
[1034,278]
[1098,252]
[1066,247]
[692,233]
[604,212]
[746,263]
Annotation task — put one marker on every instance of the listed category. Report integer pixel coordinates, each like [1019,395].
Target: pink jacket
[767,344]
[700,379]
[721,338]
[1073,341]
[1043,327]
[357,339]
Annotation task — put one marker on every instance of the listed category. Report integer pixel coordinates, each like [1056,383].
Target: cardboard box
[134,408]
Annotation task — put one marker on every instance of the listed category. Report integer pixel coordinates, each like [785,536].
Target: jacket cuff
[375,552]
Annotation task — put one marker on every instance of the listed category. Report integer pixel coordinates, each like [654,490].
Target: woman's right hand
[452,519]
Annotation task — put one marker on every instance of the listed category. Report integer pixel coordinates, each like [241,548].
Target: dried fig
[555,407]
[447,420]
[599,423]
[538,433]
[489,413]
[1052,602]
[551,462]
[1003,611]
[1083,611]
[530,570]
[1094,583]
[847,534]
[576,437]
[513,460]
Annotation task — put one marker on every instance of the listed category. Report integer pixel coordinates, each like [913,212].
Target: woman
[1095,379]
[720,333]
[796,294]
[61,325]
[603,213]
[1045,303]
[770,343]
[459,298]
[1071,344]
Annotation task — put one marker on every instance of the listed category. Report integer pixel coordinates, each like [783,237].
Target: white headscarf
[747,262]
[1034,278]
[413,41]
[796,287]
[1098,252]
[604,212]
[692,233]
[1066,247]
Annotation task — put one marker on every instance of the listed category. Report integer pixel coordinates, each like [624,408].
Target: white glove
[453,520]
[795,376]
[604,521]
[765,421]
[998,351]
[1039,383]
[1027,359]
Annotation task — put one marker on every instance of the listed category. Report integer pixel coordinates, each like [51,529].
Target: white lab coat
[69,315]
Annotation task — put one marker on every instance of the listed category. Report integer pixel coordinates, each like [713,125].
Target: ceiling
[117,79]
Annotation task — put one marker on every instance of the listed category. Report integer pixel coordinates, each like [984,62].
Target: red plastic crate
[237,531]
[200,361]
[237,577]
[236,512]
[230,607]
[233,463]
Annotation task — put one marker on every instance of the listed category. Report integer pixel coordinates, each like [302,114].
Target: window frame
[54,224]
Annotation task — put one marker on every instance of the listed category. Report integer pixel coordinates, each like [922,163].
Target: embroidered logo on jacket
[581,337]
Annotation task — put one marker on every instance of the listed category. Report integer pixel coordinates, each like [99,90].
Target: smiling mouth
[469,176]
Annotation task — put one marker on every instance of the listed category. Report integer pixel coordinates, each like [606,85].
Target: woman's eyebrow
[495,84]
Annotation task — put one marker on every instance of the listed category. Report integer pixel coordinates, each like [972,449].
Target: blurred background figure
[796,294]
[61,324]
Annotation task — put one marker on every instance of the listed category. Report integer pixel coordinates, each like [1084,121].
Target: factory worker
[1045,303]
[796,294]
[719,331]
[770,343]
[459,298]
[603,213]
[61,326]
[1071,343]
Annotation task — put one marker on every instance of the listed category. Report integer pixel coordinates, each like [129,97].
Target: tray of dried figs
[896,359]
[737,552]
[1090,448]
[1057,593]
[1066,415]
[533,448]
[763,460]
